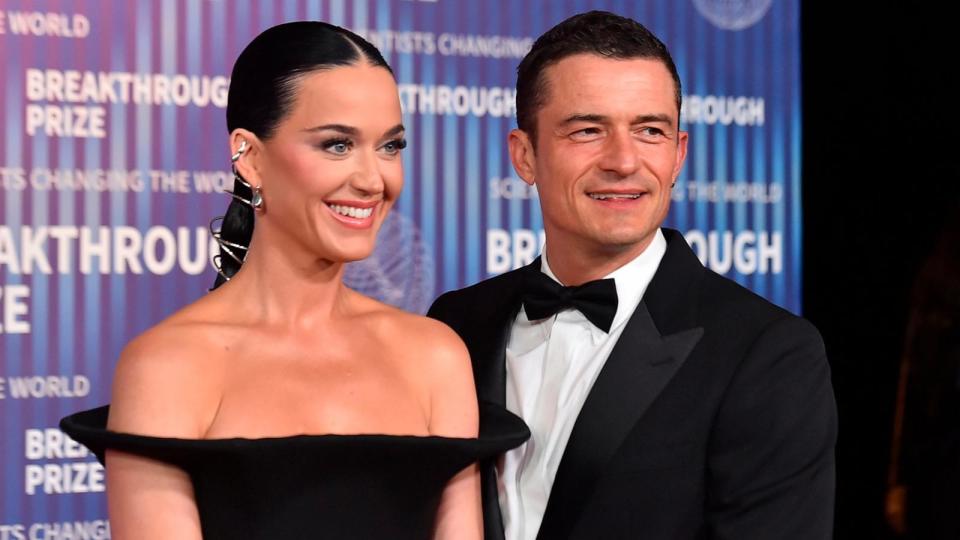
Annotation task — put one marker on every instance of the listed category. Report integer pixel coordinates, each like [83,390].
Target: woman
[205,432]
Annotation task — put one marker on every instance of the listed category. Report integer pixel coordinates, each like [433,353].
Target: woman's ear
[245,155]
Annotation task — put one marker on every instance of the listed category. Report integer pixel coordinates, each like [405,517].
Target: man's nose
[620,154]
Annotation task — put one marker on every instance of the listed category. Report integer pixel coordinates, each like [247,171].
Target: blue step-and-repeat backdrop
[113,157]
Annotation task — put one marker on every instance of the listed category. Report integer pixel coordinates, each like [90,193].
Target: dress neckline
[497,423]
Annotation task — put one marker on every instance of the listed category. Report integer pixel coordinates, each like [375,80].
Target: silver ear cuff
[236,156]
[256,199]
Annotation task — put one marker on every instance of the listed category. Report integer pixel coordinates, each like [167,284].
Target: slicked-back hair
[600,33]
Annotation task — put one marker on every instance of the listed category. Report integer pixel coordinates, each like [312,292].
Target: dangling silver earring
[256,199]
[226,246]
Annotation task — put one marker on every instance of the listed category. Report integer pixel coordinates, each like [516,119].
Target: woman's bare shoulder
[436,341]
[441,363]
[168,380]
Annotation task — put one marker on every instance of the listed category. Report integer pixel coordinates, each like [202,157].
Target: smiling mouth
[351,211]
[614,196]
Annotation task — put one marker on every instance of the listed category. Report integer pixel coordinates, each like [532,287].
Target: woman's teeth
[351,211]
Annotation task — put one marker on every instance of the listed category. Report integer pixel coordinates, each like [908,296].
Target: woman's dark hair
[263,88]
[595,32]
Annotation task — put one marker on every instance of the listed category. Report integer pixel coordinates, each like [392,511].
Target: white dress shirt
[551,366]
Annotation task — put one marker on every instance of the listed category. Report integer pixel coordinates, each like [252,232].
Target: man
[665,402]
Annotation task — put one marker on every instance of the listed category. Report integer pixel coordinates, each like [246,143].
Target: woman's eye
[394,146]
[337,146]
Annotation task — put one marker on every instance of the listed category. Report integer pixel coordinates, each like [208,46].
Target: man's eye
[585,133]
[651,131]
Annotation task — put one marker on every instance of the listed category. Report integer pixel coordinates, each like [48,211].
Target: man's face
[608,150]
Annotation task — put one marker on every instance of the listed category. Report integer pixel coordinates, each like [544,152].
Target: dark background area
[880,177]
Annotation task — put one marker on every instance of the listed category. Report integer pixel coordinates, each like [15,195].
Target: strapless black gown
[313,486]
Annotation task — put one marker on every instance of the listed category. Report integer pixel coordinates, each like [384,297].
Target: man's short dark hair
[595,32]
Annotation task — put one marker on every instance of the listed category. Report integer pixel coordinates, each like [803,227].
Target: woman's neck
[283,284]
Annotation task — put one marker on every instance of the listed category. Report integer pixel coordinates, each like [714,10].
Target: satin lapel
[639,367]
[488,346]
[489,354]
[490,496]
[641,364]
[489,336]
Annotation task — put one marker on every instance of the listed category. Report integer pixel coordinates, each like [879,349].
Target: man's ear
[682,138]
[247,149]
[521,155]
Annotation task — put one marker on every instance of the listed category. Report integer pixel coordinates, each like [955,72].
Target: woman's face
[332,169]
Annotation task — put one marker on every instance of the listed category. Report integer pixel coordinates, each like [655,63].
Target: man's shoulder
[731,304]
[481,289]
[744,312]
[476,298]
[723,292]
[683,280]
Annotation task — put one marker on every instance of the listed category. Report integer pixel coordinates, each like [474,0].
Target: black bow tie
[543,297]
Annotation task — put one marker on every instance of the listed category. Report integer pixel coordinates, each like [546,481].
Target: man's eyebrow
[346,130]
[599,118]
[648,118]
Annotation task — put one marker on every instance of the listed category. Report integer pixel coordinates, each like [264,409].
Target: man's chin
[621,241]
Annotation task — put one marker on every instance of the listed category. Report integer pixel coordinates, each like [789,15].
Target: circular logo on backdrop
[733,14]
[400,270]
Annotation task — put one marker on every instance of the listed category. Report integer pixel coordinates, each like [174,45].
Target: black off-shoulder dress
[313,486]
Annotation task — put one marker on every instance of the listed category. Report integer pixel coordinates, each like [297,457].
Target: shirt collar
[632,280]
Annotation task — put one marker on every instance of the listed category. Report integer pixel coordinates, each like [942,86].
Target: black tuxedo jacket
[713,417]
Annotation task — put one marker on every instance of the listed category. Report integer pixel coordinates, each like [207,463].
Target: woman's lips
[353,214]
